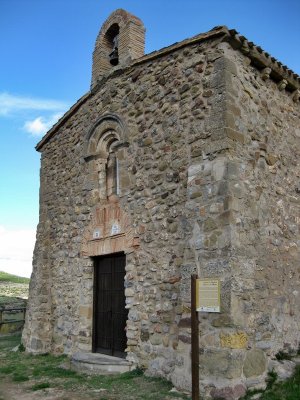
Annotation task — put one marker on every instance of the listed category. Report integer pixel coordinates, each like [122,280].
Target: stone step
[100,364]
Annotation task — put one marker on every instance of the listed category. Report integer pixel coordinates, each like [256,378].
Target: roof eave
[259,58]
[61,121]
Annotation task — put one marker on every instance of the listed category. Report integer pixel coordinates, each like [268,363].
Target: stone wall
[247,233]
[209,184]
[265,216]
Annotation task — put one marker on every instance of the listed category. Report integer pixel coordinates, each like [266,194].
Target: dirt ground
[15,391]
[22,391]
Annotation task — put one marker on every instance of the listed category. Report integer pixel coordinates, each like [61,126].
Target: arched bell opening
[120,41]
[112,40]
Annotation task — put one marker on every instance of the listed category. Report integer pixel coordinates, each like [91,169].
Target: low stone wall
[12,318]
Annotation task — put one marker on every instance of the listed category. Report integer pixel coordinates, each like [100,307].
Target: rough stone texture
[229,393]
[207,150]
[255,363]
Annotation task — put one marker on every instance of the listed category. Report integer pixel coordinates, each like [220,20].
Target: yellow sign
[208,297]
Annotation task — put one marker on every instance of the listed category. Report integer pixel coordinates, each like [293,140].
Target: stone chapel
[181,161]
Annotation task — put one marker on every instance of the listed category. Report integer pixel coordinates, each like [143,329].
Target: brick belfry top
[182,161]
[130,32]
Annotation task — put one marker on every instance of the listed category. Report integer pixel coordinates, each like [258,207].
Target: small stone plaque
[115,229]
[208,295]
[96,234]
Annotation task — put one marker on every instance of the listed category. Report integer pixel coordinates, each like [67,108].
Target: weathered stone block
[222,321]
[221,363]
[85,311]
[156,339]
[229,393]
[255,363]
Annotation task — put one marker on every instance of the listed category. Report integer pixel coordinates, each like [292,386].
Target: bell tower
[120,41]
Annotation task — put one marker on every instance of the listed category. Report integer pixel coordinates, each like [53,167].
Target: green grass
[43,371]
[10,341]
[7,369]
[281,355]
[5,277]
[20,378]
[11,301]
[40,386]
[287,390]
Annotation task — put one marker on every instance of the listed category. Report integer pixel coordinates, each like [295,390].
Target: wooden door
[110,315]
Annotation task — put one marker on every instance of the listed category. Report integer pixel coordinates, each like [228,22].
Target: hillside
[5,277]
[12,287]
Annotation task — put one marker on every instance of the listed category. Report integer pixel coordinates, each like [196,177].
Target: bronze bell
[114,57]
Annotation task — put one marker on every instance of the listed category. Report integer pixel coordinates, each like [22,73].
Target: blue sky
[46,53]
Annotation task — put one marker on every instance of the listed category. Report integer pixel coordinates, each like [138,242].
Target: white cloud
[10,104]
[40,125]
[16,249]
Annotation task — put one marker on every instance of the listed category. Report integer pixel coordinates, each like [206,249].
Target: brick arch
[110,231]
[131,42]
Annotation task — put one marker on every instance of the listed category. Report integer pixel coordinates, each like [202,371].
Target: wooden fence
[14,317]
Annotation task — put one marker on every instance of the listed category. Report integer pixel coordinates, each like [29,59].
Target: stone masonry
[192,152]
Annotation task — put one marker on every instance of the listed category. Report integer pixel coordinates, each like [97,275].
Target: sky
[46,58]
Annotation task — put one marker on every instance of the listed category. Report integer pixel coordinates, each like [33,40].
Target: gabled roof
[259,58]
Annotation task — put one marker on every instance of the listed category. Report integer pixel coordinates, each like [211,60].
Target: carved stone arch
[103,142]
[106,142]
[108,128]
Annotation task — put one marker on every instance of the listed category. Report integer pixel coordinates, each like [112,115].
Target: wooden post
[195,341]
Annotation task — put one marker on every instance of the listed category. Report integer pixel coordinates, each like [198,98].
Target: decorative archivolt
[104,140]
[109,129]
